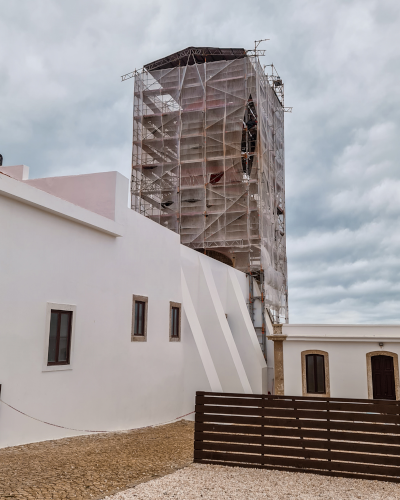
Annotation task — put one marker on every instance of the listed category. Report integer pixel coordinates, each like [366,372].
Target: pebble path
[214,482]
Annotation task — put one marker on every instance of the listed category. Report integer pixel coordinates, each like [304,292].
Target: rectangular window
[59,338]
[140,308]
[139,318]
[315,373]
[174,321]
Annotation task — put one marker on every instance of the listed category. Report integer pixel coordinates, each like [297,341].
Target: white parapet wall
[75,253]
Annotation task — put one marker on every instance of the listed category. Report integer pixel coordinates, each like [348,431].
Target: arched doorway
[383,382]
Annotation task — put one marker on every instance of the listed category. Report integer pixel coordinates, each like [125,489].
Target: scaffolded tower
[208,160]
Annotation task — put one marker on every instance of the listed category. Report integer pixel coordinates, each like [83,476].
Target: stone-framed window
[175,321]
[139,318]
[395,358]
[59,336]
[315,373]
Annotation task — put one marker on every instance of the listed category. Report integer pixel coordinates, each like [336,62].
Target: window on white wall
[174,322]
[140,308]
[59,349]
[315,367]
[315,373]
[139,318]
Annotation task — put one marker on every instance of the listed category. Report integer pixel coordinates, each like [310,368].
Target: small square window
[139,318]
[175,322]
[59,338]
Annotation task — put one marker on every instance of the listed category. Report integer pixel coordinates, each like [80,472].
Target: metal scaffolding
[208,160]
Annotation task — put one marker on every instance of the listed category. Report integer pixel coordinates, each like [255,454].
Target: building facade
[107,322]
[338,361]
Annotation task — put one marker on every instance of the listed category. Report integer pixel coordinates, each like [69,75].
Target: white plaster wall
[208,283]
[220,294]
[114,383]
[244,335]
[193,373]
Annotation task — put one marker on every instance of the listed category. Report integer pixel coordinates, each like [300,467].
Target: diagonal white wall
[208,319]
[221,330]
[244,335]
[218,295]
[198,336]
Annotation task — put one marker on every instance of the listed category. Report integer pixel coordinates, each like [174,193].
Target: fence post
[328,420]
[262,425]
[196,430]
[297,418]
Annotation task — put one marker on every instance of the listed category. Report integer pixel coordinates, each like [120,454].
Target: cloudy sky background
[63,110]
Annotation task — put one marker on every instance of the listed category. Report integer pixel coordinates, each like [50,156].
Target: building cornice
[338,325]
[276,337]
[326,338]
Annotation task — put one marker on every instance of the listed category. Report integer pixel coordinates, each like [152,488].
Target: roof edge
[196,55]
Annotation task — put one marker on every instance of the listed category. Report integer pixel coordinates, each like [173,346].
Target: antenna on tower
[277,84]
[257,52]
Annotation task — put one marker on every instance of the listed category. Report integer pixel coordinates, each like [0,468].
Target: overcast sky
[63,110]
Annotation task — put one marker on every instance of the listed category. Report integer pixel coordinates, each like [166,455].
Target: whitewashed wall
[54,251]
[346,345]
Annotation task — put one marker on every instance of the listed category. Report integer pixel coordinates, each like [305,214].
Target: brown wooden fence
[331,436]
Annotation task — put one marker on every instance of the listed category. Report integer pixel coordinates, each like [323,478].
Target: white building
[75,265]
[338,361]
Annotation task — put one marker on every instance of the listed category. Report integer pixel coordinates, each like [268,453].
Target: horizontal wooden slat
[298,462]
[307,405]
[300,453]
[298,443]
[319,415]
[304,433]
[330,436]
[230,394]
[310,424]
[350,475]
[297,398]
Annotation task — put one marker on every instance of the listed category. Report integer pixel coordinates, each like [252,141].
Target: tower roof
[197,55]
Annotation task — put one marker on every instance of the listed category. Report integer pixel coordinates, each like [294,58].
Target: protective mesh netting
[208,163]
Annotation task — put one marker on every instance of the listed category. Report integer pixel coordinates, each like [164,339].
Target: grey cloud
[64,111]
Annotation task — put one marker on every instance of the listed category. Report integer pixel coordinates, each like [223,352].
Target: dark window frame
[380,383]
[68,360]
[315,374]
[140,318]
[135,319]
[175,323]
[175,328]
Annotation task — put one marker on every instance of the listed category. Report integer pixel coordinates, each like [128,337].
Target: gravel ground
[212,482]
[90,467]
